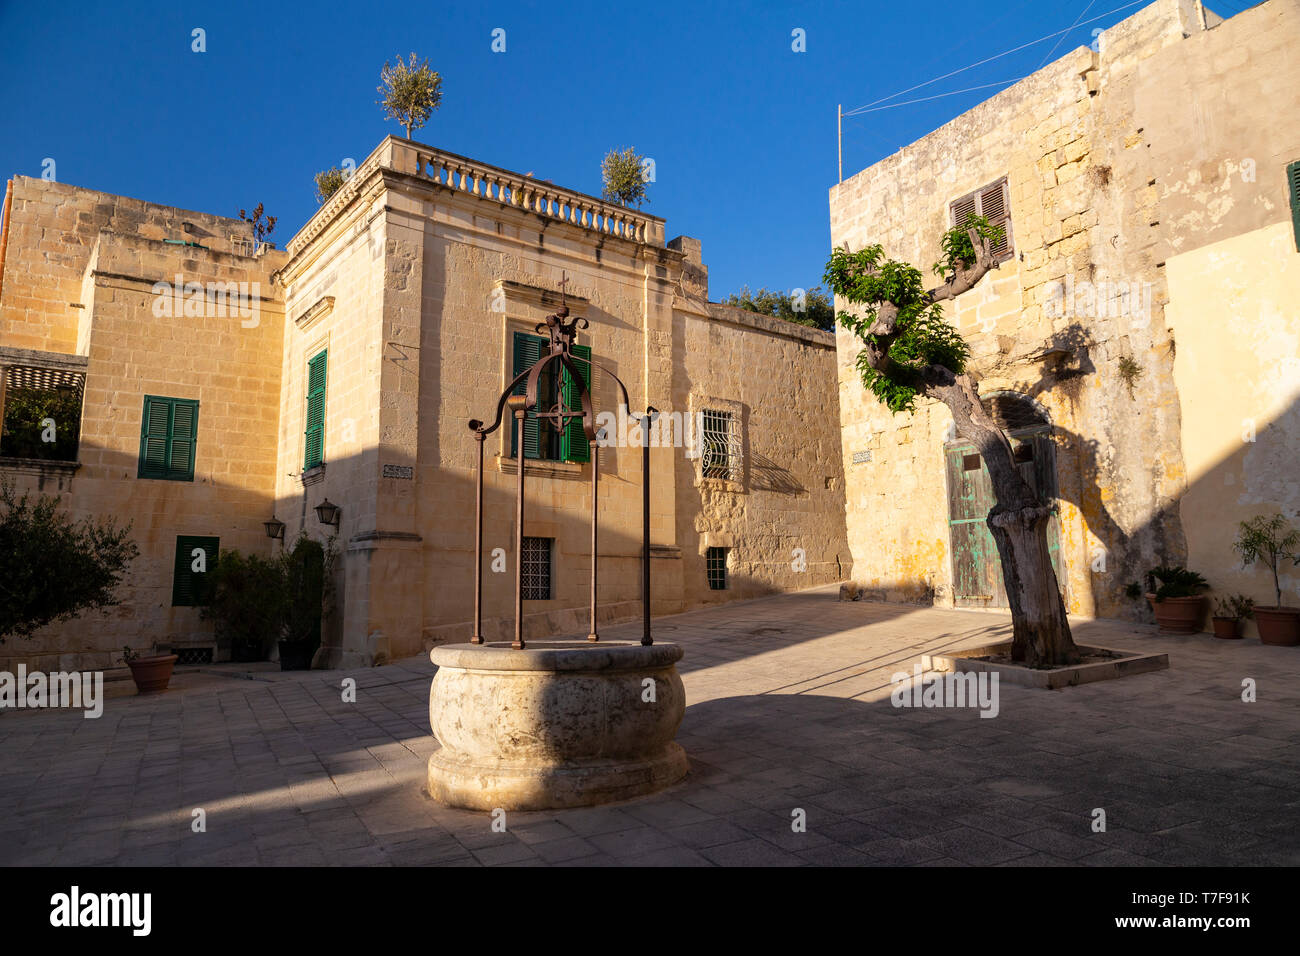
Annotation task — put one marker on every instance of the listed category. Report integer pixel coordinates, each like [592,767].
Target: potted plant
[308,572]
[1229,613]
[1270,540]
[151,674]
[246,599]
[1177,601]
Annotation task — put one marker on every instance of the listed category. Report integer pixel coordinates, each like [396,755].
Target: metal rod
[477,636]
[595,504]
[520,415]
[645,529]
[839,135]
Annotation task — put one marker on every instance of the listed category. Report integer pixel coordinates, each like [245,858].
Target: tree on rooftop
[911,352]
[328,182]
[622,175]
[262,227]
[52,568]
[812,308]
[410,91]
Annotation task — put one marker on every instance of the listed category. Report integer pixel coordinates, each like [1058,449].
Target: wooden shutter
[995,206]
[314,435]
[963,208]
[1293,185]
[185,421]
[168,437]
[188,588]
[573,444]
[527,351]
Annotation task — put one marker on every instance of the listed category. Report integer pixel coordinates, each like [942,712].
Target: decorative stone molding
[571,470]
[323,307]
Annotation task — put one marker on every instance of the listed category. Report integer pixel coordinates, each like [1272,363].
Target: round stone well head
[561,723]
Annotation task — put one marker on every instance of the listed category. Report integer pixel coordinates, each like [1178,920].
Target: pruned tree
[410,91]
[910,351]
[622,174]
[52,568]
[328,182]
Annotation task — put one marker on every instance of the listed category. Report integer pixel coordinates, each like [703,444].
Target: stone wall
[1106,160]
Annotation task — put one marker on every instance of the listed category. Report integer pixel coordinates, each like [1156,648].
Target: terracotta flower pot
[152,674]
[1228,628]
[1278,625]
[1178,615]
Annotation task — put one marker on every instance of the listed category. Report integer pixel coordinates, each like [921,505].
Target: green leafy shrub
[51,568]
[817,311]
[622,178]
[1236,606]
[328,182]
[1269,540]
[26,410]
[245,598]
[1176,582]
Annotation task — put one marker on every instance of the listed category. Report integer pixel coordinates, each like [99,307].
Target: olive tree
[411,92]
[911,352]
[623,177]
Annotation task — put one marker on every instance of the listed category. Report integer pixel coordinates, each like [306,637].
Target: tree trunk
[1040,629]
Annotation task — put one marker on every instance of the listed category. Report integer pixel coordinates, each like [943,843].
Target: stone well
[557,724]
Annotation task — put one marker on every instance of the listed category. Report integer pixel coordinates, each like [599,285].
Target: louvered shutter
[527,352]
[1293,184]
[574,444]
[155,429]
[190,589]
[995,206]
[180,457]
[314,434]
[964,208]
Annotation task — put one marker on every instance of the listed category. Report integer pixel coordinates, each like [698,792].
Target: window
[196,557]
[542,440]
[715,566]
[993,202]
[42,417]
[537,568]
[169,429]
[721,445]
[314,435]
[1293,185]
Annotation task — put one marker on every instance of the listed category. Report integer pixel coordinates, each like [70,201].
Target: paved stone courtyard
[788,707]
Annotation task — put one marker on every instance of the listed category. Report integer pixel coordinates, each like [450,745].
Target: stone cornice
[323,307]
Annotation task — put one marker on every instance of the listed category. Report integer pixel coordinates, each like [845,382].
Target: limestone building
[1142,334]
[217,386]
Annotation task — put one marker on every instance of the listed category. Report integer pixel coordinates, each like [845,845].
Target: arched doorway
[976,569]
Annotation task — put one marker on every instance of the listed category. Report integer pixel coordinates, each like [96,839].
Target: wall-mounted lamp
[274,528]
[328,512]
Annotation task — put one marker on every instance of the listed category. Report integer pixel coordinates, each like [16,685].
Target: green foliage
[328,182]
[1129,372]
[816,312]
[25,411]
[1133,590]
[307,570]
[245,597]
[956,246]
[52,569]
[1267,539]
[410,91]
[1235,606]
[923,337]
[622,177]
[1176,582]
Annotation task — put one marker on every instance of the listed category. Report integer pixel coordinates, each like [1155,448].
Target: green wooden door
[977,570]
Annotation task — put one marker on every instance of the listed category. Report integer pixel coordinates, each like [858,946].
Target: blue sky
[741,127]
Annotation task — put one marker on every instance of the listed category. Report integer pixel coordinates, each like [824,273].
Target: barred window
[721,445]
[715,565]
[537,568]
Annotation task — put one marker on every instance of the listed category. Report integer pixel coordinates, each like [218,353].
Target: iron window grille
[715,565]
[722,449]
[536,568]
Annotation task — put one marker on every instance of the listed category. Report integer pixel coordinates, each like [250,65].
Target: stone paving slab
[788,715]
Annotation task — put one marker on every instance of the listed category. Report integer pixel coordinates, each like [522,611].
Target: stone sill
[313,475]
[39,466]
[569,470]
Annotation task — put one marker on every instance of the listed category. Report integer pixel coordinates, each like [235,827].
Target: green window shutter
[1293,184]
[168,437]
[189,587]
[527,351]
[573,443]
[314,444]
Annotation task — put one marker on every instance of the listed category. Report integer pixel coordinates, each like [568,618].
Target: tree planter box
[1110,664]
[559,724]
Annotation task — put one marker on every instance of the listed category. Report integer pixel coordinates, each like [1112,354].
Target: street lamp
[328,512]
[274,528]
